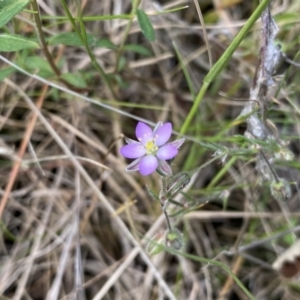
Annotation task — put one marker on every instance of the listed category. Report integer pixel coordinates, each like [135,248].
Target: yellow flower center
[150,147]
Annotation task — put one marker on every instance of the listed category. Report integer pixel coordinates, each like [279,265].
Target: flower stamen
[151,148]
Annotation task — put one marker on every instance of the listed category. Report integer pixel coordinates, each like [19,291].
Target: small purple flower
[151,151]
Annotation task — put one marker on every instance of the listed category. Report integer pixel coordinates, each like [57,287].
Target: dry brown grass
[75,225]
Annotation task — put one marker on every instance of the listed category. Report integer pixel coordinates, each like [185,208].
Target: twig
[22,149]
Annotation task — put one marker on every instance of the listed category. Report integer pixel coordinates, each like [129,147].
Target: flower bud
[164,168]
[174,239]
[284,154]
[177,183]
[281,189]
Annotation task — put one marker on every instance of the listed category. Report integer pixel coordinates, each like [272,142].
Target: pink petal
[134,166]
[134,150]
[130,141]
[143,133]
[163,134]
[167,152]
[164,168]
[178,143]
[148,165]
[159,124]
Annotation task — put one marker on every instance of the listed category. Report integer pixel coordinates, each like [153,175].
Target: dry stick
[217,215]
[126,263]
[40,231]
[291,62]
[65,157]
[135,4]
[78,269]
[98,193]
[21,151]
[204,32]
[229,282]
[115,276]
[238,259]
[224,17]
[53,292]
[106,273]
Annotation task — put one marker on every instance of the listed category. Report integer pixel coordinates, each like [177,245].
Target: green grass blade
[215,263]
[220,64]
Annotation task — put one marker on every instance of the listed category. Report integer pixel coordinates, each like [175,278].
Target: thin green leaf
[11,43]
[39,64]
[122,64]
[75,79]
[36,62]
[9,8]
[6,72]
[145,24]
[105,43]
[90,53]
[221,63]
[70,39]
[89,18]
[185,71]
[138,49]
[121,83]
[214,263]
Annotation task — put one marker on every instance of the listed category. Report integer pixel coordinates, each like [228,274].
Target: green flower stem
[135,4]
[185,71]
[167,219]
[42,39]
[210,161]
[176,202]
[89,18]
[222,172]
[44,46]
[108,17]
[82,35]
[220,64]
[215,263]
